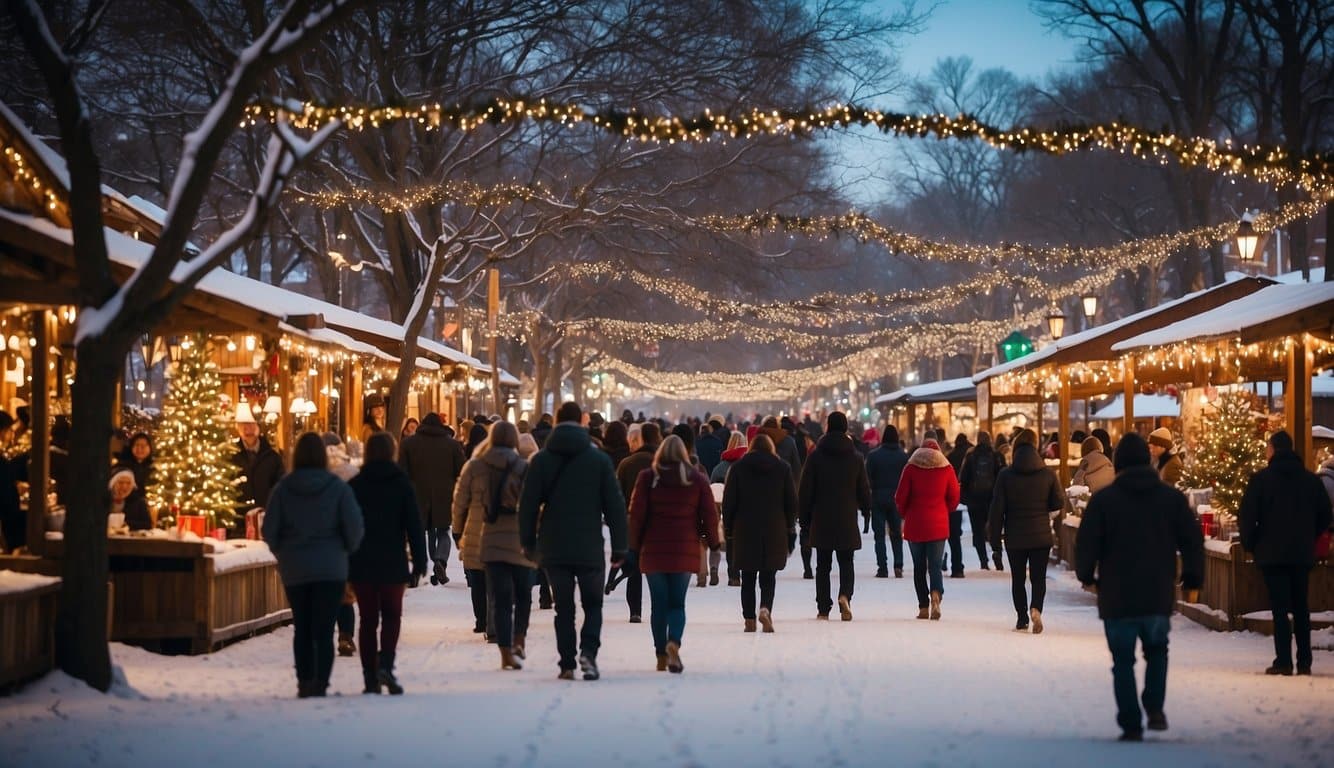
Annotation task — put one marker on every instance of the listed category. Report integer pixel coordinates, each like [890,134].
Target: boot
[303,689]
[674,664]
[508,660]
[1036,616]
[702,580]
[372,681]
[713,576]
[662,662]
[734,581]
[386,674]
[924,612]
[565,674]
[345,645]
[518,647]
[766,620]
[898,573]
[882,572]
[589,666]
[844,608]
[935,605]
[750,625]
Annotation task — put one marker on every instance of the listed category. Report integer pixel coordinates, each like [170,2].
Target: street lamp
[1247,238]
[1056,322]
[1090,306]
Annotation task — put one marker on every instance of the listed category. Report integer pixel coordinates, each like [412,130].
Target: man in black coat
[627,472]
[709,448]
[1126,551]
[977,482]
[1283,510]
[884,467]
[261,469]
[760,524]
[433,461]
[833,490]
[1026,494]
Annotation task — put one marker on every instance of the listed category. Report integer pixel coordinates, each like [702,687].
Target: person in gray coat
[312,522]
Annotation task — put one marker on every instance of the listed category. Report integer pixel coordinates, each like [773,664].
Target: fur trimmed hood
[928,458]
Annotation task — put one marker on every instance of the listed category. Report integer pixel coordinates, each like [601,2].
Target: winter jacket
[13,519]
[617,452]
[541,432]
[786,447]
[1026,494]
[312,523]
[884,467]
[977,485]
[759,512]
[137,516]
[472,502]
[569,492]
[1170,469]
[956,456]
[433,461]
[928,491]
[1095,472]
[833,489]
[389,511]
[261,470]
[709,449]
[1128,543]
[668,519]
[627,472]
[729,458]
[1283,510]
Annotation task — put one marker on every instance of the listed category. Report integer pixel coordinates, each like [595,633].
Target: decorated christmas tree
[1229,447]
[192,452]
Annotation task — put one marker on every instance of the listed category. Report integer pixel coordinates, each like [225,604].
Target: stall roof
[1097,343]
[947,391]
[1146,407]
[1278,310]
[330,336]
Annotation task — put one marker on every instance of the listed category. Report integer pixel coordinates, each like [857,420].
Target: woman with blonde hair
[671,509]
[736,448]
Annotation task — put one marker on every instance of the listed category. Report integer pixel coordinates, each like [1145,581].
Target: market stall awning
[1274,311]
[1099,342]
[947,391]
[1145,407]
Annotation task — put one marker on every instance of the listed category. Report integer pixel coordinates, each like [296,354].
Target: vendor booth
[950,404]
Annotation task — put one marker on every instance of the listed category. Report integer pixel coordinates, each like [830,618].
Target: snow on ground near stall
[883,689]
[13,582]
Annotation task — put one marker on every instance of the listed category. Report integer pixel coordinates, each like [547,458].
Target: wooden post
[493,337]
[1297,398]
[1128,395]
[285,393]
[39,471]
[1063,427]
[911,438]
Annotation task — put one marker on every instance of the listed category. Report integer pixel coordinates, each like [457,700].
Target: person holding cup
[127,507]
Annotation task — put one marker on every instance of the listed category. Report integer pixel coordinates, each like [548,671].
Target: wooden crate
[27,633]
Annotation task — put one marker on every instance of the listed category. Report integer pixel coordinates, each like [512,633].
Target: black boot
[372,681]
[386,674]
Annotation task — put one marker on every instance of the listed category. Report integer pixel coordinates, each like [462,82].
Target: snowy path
[883,689]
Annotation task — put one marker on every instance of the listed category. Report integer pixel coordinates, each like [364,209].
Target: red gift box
[196,524]
[1207,523]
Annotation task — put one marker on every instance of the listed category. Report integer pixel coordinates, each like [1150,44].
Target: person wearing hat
[124,501]
[1167,462]
[373,419]
[261,467]
[833,490]
[1283,510]
[1126,551]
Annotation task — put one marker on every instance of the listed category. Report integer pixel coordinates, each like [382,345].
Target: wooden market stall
[933,404]
[1282,333]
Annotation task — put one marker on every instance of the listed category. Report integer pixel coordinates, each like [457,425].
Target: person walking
[736,448]
[311,524]
[1027,493]
[956,458]
[833,490]
[473,497]
[1166,460]
[671,508]
[341,465]
[616,442]
[378,569]
[760,526]
[643,449]
[509,575]
[977,483]
[433,459]
[1095,470]
[927,491]
[1126,551]
[884,467]
[1283,510]
[569,493]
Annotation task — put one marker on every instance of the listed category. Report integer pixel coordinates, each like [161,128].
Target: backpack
[497,507]
[984,471]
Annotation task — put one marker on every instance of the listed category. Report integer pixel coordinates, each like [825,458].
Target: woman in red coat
[928,491]
[671,510]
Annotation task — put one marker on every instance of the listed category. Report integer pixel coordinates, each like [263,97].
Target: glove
[618,559]
[791,542]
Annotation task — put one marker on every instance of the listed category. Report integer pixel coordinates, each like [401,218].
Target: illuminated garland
[456,191]
[1266,164]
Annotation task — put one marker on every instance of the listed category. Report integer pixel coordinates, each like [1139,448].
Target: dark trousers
[314,612]
[733,572]
[1036,561]
[667,593]
[956,541]
[380,604]
[477,588]
[885,518]
[438,544]
[509,596]
[589,580]
[978,508]
[1151,632]
[347,619]
[824,565]
[767,580]
[806,556]
[1289,593]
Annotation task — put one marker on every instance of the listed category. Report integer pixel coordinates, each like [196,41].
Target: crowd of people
[527,505]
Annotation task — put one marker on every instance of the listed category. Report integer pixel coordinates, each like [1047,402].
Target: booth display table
[27,625]
[1233,595]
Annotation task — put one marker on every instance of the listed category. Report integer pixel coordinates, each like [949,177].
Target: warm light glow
[1056,323]
[249,343]
[1090,301]
[1247,239]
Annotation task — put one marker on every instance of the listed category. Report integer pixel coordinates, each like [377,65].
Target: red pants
[377,601]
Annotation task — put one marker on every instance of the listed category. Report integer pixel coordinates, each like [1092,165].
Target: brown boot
[674,664]
[935,605]
[766,620]
[750,625]
[924,612]
[662,662]
[508,659]
[345,645]
[844,608]
[518,648]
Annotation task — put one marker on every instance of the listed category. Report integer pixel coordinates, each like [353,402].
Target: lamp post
[1247,239]
[1056,322]
[1090,301]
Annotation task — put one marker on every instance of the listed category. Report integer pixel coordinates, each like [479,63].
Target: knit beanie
[1161,437]
[1132,451]
[837,422]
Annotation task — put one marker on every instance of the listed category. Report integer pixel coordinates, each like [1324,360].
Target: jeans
[1289,592]
[1151,631]
[509,597]
[767,580]
[314,612]
[824,565]
[886,517]
[477,587]
[1036,561]
[956,541]
[667,595]
[438,544]
[380,604]
[978,508]
[927,559]
[589,580]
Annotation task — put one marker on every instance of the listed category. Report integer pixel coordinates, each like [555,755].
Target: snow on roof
[1233,318]
[52,159]
[1325,433]
[330,336]
[948,390]
[1321,386]
[1146,407]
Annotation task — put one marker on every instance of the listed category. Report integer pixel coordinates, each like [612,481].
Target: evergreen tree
[192,452]
[1229,448]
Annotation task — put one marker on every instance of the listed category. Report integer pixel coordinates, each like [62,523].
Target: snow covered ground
[885,689]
